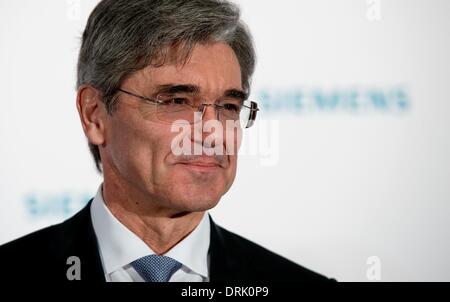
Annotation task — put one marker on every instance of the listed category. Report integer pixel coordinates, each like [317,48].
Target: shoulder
[45,252]
[262,264]
[42,240]
[50,240]
[32,253]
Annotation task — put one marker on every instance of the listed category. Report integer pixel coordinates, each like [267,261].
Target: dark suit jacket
[43,256]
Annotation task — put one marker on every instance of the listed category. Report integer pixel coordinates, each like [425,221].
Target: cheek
[137,148]
[232,140]
[237,141]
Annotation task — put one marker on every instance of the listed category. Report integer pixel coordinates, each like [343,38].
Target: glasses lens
[181,107]
[244,116]
[175,107]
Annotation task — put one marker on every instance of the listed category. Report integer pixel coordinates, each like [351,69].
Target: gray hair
[124,36]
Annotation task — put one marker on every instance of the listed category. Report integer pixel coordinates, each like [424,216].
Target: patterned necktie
[155,268]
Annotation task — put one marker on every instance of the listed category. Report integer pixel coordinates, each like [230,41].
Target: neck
[159,227]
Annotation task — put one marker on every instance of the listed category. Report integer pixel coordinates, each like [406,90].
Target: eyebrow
[189,88]
[177,88]
[236,93]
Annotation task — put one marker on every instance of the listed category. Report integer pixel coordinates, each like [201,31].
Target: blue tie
[155,268]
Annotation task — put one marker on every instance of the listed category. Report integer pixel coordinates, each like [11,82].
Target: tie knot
[155,268]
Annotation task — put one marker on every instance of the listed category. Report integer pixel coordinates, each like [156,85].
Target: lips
[201,162]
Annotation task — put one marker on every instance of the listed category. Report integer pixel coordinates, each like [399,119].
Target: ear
[92,114]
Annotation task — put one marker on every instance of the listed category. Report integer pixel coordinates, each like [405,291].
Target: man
[148,69]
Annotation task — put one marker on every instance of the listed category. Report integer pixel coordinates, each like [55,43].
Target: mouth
[200,167]
[201,164]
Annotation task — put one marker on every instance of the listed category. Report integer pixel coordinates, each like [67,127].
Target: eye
[177,99]
[180,101]
[174,101]
[231,107]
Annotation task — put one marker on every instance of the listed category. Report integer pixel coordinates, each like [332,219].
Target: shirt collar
[119,246]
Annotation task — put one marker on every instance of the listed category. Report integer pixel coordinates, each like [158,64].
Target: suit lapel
[79,240]
[225,265]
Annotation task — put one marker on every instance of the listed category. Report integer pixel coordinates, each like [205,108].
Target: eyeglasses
[172,107]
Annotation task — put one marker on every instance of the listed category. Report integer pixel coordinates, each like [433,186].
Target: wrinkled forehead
[211,68]
[180,53]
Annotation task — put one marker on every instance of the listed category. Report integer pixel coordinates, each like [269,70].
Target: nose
[209,136]
[209,112]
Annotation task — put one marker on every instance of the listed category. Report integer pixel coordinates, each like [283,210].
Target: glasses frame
[251,119]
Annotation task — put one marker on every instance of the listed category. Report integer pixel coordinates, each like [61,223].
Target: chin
[195,201]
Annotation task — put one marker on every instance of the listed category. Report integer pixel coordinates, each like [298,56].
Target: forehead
[213,67]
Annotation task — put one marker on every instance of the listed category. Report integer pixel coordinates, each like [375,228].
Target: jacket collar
[79,240]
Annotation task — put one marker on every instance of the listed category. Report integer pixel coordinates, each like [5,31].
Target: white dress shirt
[119,247]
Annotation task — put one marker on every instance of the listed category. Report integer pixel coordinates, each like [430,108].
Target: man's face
[138,148]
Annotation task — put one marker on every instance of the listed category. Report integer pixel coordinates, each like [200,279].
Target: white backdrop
[350,172]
